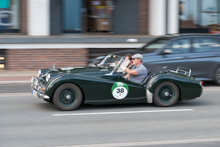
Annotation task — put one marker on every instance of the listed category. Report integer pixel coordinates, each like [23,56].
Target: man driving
[139,72]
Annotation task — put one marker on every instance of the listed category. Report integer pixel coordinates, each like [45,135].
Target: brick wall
[23,16]
[28,59]
[143,14]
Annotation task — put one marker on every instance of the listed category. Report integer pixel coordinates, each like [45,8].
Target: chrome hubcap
[166,93]
[68,97]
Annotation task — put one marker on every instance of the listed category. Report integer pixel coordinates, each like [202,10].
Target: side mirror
[167,51]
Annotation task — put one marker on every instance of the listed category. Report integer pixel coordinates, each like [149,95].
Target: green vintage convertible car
[67,88]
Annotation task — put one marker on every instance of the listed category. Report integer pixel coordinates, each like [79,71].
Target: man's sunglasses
[134,58]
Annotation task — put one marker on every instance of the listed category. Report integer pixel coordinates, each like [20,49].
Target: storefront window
[87,15]
[99,15]
[199,15]
[72,16]
[9,15]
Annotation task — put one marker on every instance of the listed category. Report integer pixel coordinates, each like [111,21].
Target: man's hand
[127,76]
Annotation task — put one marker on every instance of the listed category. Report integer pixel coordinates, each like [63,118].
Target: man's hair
[129,55]
[141,60]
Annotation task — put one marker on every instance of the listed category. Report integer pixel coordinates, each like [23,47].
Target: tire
[166,94]
[67,97]
[217,76]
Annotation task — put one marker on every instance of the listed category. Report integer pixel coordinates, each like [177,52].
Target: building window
[9,16]
[199,16]
[72,15]
[87,15]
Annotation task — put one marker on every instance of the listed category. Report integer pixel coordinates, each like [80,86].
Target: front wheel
[166,94]
[217,76]
[67,97]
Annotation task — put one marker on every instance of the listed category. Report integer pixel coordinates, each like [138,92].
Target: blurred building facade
[150,17]
[45,18]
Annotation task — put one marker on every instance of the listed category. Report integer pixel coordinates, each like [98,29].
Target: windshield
[117,67]
[114,62]
[156,44]
[110,61]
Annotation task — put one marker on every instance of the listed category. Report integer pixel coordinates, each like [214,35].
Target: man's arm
[130,72]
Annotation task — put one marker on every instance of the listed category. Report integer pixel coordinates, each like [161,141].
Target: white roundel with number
[120,92]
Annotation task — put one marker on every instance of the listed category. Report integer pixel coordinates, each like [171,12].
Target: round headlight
[48,77]
[39,73]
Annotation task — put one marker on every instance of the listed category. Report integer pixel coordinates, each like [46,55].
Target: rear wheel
[67,97]
[217,76]
[166,94]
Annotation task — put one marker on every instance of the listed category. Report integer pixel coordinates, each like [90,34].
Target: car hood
[82,70]
[85,70]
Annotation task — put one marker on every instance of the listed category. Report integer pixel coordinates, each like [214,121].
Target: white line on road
[166,142]
[15,82]
[15,94]
[122,112]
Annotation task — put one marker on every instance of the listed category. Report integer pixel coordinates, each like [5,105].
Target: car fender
[188,87]
[55,82]
[70,78]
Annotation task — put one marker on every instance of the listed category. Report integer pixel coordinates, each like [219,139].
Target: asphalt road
[26,121]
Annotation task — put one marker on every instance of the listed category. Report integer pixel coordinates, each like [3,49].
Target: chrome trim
[48,77]
[37,93]
[68,71]
[40,95]
[39,73]
[180,70]
[149,96]
[201,90]
[54,66]
[43,96]
[32,80]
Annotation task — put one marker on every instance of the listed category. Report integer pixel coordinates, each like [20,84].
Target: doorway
[72,16]
[97,16]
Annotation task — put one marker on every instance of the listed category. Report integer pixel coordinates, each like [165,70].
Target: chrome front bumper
[35,89]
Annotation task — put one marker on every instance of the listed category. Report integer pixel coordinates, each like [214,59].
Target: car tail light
[201,83]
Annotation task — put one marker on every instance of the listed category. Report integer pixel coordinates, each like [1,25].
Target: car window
[180,46]
[205,45]
[153,46]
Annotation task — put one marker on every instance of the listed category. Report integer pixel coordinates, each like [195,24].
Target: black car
[198,52]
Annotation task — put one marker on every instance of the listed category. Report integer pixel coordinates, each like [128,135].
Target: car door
[174,54]
[124,91]
[205,57]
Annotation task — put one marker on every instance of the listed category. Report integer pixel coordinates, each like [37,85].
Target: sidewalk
[74,38]
[9,77]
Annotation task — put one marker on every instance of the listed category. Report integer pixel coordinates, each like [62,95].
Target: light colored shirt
[141,74]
